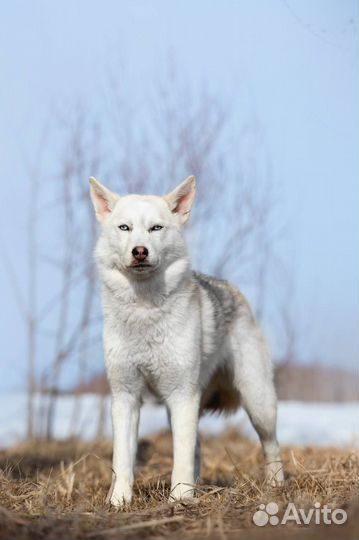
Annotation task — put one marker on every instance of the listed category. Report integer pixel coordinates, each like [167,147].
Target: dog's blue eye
[156,228]
[124,227]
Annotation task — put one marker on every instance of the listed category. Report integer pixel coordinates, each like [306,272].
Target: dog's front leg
[184,420]
[125,417]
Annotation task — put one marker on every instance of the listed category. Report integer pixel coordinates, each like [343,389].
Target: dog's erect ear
[180,200]
[102,198]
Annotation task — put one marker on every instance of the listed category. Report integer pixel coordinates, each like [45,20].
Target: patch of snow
[299,423]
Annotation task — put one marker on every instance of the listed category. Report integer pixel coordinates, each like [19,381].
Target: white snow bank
[299,423]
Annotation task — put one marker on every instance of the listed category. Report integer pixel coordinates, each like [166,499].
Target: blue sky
[292,64]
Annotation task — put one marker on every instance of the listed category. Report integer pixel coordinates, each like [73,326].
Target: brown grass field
[58,491]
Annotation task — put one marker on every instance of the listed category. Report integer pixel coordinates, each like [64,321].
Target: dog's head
[142,233]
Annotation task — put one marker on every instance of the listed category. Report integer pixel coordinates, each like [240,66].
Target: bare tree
[77,278]
[32,303]
[27,301]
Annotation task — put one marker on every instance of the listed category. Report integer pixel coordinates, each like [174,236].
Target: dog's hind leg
[254,380]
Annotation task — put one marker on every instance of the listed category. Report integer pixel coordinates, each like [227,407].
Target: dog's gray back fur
[221,294]
[228,306]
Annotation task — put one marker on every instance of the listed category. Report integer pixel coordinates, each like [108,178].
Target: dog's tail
[220,396]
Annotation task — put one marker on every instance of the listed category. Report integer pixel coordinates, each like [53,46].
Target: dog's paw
[119,497]
[275,474]
[120,500]
[181,491]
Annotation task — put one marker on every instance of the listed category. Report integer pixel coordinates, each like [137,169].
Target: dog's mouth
[140,266]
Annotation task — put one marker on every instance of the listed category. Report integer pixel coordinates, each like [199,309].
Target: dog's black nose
[140,253]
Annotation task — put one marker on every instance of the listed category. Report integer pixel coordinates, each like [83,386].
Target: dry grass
[59,491]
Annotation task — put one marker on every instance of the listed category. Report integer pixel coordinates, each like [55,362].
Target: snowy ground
[299,423]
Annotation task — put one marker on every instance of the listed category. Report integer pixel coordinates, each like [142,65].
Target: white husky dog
[189,339]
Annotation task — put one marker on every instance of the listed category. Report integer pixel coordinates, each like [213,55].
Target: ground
[58,490]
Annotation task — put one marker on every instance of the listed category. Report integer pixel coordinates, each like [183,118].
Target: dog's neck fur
[153,289]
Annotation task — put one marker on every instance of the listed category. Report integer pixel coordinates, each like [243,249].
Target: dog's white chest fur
[146,346]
